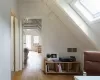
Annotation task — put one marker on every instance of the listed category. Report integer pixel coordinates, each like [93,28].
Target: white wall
[96,27]
[56,36]
[5,25]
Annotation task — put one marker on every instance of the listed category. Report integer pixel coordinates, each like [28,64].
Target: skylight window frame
[85,8]
[94,15]
[87,20]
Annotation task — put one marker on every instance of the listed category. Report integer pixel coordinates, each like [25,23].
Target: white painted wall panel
[5,47]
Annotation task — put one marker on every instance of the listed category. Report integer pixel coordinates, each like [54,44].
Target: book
[59,67]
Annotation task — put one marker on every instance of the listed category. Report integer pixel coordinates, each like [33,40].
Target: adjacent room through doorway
[32,44]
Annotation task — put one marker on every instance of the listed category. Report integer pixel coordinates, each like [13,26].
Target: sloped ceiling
[66,20]
[69,22]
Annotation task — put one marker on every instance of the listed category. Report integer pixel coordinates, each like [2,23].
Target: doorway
[32,42]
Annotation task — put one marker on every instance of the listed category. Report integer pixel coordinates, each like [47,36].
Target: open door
[17,48]
[12,44]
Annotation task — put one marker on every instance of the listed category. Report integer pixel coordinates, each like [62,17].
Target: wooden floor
[33,71]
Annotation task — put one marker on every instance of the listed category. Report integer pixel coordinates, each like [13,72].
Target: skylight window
[90,9]
[93,6]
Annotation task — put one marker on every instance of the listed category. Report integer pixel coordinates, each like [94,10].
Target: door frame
[16,56]
[13,32]
[21,38]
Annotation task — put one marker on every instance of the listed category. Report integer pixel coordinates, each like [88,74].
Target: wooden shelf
[67,67]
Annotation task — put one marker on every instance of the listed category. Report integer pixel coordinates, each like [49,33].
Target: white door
[17,63]
[12,44]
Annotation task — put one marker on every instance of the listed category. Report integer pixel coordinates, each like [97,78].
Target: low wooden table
[87,77]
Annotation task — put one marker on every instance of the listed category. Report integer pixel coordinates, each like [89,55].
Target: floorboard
[33,70]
